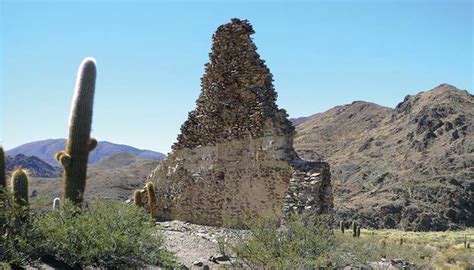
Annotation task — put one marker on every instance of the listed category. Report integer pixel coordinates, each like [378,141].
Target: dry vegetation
[306,242]
[438,250]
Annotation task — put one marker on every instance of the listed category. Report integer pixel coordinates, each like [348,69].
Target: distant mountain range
[411,167]
[35,166]
[46,149]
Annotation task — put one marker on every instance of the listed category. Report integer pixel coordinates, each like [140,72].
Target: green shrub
[301,241]
[309,243]
[105,234]
[17,235]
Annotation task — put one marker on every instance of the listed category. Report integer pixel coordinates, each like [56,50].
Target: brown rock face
[410,167]
[234,157]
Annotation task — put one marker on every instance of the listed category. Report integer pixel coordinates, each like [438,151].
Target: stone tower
[234,157]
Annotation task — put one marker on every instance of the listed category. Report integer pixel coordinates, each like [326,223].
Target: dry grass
[297,243]
[438,250]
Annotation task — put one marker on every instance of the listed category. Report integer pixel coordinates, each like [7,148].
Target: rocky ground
[197,246]
[200,247]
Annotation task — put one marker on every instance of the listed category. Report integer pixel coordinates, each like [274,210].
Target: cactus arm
[63,157]
[92,144]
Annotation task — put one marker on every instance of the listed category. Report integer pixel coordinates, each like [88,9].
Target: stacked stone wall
[234,157]
[310,190]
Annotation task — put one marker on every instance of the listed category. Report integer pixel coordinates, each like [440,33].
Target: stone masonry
[309,190]
[234,157]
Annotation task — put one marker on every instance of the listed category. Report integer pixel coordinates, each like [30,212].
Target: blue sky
[150,57]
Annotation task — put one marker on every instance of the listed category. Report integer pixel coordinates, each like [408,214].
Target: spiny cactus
[56,204]
[79,143]
[354,229]
[383,245]
[341,226]
[150,190]
[3,180]
[137,198]
[19,187]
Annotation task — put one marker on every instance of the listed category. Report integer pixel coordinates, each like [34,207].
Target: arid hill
[411,167]
[112,178]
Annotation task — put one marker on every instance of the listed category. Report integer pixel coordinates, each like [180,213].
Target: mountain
[46,149]
[410,167]
[35,166]
[113,177]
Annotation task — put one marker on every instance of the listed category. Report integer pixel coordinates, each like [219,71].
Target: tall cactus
[19,187]
[150,190]
[3,180]
[79,143]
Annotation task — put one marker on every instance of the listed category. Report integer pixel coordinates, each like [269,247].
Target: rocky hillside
[46,149]
[35,166]
[410,167]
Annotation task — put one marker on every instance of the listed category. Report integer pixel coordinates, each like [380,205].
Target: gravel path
[196,243]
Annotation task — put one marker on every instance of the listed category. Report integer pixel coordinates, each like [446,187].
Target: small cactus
[3,180]
[137,198]
[341,226]
[79,143]
[150,190]
[384,245]
[354,229]
[56,204]
[19,187]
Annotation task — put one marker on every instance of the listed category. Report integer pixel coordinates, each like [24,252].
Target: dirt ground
[195,244]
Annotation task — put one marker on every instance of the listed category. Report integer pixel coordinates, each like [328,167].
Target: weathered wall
[310,190]
[224,183]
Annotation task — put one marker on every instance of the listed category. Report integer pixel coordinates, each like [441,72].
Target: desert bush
[301,241]
[17,234]
[309,242]
[104,234]
[371,248]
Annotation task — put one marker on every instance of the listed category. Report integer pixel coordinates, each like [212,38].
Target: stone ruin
[234,158]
